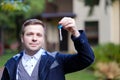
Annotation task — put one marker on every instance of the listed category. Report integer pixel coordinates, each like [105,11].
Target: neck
[30,52]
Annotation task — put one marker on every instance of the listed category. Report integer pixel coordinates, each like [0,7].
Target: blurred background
[99,18]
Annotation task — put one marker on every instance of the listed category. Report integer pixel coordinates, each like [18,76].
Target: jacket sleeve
[82,59]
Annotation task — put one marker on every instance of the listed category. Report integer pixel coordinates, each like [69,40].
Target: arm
[84,56]
[82,59]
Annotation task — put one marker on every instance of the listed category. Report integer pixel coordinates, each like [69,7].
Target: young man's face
[33,37]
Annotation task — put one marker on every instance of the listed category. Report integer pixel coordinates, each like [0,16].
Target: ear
[21,38]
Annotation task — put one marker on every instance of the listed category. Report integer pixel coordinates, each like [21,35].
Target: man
[35,63]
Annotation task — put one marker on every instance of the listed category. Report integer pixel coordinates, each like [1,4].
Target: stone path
[1,70]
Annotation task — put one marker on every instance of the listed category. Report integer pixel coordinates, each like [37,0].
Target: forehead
[33,22]
[34,28]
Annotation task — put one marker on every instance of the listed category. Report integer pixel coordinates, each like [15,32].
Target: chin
[35,49]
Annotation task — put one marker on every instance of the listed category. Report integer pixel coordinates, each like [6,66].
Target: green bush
[106,53]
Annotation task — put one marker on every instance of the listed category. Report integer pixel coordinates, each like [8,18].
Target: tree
[12,12]
[92,3]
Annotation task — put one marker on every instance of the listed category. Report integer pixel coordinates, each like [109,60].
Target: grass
[81,75]
[4,58]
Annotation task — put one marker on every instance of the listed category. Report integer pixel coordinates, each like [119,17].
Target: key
[60,31]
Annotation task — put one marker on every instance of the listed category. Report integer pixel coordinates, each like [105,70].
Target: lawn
[4,58]
[80,75]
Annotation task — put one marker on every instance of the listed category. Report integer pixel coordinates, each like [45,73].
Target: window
[91,2]
[91,29]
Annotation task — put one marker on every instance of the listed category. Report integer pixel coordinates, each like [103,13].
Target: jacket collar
[45,64]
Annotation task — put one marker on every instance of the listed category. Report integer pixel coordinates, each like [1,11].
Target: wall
[108,19]
[115,22]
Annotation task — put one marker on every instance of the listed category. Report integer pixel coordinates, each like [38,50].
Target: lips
[33,44]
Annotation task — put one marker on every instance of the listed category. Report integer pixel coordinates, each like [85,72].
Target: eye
[29,34]
[39,35]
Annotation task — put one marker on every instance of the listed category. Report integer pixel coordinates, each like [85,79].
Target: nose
[34,39]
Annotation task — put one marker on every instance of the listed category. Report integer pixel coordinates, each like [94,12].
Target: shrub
[108,71]
[107,52]
[107,60]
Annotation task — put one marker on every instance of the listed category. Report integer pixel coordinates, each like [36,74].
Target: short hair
[31,22]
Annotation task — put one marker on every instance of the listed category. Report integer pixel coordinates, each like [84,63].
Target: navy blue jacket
[54,66]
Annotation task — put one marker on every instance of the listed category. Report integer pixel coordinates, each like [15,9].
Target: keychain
[60,32]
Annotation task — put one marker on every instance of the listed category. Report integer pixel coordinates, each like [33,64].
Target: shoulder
[18,56]
[53,54]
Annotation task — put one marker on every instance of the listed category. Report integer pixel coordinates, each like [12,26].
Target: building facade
[106,20]
[102,26]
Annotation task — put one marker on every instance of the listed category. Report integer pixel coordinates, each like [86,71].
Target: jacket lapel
[44,66]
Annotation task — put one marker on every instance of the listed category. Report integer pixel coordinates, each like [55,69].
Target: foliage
[108,71]
[14,8]
[13,12]
[36,7]
[8,12]
[107,55]
[107,52]
[11,6]
[92,4]
[8,54]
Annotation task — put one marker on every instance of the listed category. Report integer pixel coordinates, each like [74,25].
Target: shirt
[29,62]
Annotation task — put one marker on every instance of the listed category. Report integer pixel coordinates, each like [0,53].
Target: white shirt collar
[39,53]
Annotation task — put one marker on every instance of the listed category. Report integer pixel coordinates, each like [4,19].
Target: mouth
[33,45]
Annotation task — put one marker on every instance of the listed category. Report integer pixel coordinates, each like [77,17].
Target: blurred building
[102,26]
[53,13]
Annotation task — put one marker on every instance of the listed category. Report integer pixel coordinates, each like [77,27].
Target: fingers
[67,21]
[69,25]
